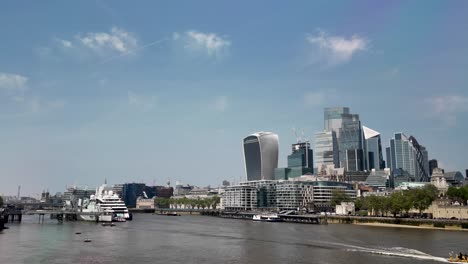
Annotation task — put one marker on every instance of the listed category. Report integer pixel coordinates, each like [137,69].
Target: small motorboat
[460,258]
[267,218]
[172,214]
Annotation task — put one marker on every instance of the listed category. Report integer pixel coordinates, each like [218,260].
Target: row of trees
[395,204]
[209,202]
[458,194]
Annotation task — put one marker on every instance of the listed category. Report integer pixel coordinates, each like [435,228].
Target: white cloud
[314,98]
[66,43]
[447,107]
[13,82]
[336,49]
[210,44]
[141,102]
[221,103]
[117,40]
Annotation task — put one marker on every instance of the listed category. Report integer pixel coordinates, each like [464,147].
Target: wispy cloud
[13,82]
[144,103]
[312,99]
[65,43]
[221,103]
[334,50]
[117,40]
[210,44]
[447,107]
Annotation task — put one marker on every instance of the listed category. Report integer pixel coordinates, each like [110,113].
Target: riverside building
[303,193]
[260,156]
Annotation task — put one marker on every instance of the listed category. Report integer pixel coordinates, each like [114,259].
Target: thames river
[202,239]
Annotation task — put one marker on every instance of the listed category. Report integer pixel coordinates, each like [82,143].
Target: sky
[151,91]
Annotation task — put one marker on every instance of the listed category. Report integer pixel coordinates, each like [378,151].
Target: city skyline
[137,93]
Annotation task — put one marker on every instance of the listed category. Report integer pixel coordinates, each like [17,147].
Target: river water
[203,239]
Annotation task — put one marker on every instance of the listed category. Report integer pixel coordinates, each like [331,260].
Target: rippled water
[200,239]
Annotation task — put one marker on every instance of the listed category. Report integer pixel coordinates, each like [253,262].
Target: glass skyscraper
[347,128]
[301,156]
[326,149]
[373,149]
[260,155]
[406,154]
[300,162]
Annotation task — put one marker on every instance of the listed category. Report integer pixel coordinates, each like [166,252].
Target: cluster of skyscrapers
[344,144]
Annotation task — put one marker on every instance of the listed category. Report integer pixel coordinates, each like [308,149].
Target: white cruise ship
[105,206]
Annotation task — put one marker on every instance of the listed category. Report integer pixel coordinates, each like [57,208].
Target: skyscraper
[432,165]
[300,162]
[373,149]
[260,155]
[301,156]
[333,118]
[408,155]
[326,146]
[351,144]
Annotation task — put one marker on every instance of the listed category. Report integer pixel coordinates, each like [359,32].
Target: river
[203,239]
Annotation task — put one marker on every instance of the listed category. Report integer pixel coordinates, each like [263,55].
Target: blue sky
[149,91]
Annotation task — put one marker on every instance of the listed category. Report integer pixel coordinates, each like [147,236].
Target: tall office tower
[348,131]
[334,117]
[326,146]
[388,155]
[432,165]
[425,164]
[350,145]
[300,162]
[261,155]
[408,155]
[373,149]
[302,156]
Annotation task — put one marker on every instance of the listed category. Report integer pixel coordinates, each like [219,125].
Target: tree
[397,202]
[361,203]
[1,202]
[458,194]
[339,196]
[161,202]
[423,197]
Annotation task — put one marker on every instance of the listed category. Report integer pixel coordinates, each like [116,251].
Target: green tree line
[204,203]
[458,194]
[398,202]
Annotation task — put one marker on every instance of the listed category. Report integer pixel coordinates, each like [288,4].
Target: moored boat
[267,218]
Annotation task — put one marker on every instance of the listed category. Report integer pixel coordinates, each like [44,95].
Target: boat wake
[400,252]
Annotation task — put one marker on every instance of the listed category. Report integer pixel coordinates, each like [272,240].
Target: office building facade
[373,149]
[408,155]
[326,150]
[261,155]
[432,165]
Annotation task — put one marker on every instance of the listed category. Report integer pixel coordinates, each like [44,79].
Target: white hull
[92,218]
[267,218]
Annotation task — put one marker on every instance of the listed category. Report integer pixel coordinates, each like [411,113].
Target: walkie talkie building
[261,156]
